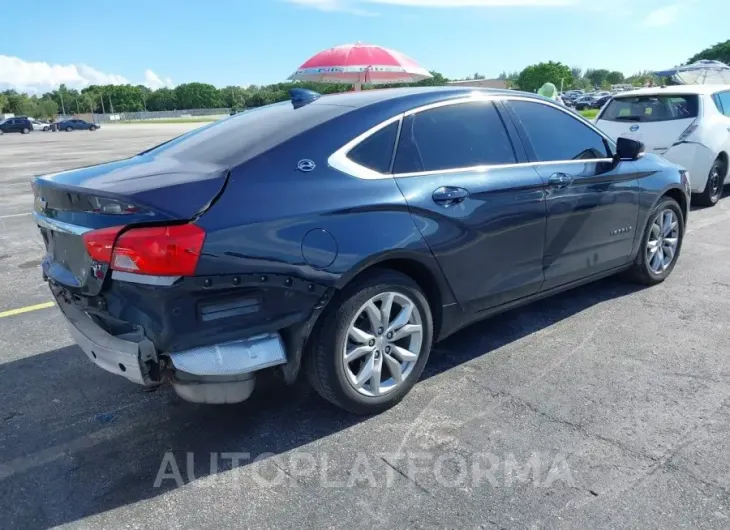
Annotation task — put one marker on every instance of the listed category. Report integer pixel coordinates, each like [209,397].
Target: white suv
[688,125]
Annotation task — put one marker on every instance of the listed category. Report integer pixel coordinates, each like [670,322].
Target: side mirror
[628,149]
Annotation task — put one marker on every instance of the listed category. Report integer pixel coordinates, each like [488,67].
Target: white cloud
[333,6]
[351,6]
[35,77]
[664,16]
[475,3]
[39,77]
[154,81]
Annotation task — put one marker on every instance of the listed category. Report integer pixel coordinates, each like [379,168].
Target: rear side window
[652,108]
[376,152]
[722,101]
[451,137]
[555,135]
[243,136]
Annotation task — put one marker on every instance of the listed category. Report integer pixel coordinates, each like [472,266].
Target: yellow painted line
[26,309]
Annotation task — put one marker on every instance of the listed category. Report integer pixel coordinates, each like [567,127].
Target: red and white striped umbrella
[360,64]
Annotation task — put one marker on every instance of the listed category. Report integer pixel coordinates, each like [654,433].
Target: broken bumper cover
[119,355]
[209,374]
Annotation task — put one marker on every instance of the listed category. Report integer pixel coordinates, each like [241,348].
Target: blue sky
[242,42]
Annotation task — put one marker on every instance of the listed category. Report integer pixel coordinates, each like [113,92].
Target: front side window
[451,137]
[652,108]
[555,135]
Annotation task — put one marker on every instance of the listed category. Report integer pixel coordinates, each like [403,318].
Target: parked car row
[25,125]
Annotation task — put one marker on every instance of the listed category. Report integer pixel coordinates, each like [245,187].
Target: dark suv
[21,125]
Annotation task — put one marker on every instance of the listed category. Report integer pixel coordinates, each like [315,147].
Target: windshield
[652,108]
[247,134]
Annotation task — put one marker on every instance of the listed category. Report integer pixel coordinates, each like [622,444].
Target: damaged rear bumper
[216,367]
[121,355]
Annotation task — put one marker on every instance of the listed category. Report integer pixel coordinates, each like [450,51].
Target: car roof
[675,89]
[413,95]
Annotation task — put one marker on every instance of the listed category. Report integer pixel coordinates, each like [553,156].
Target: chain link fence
[155,115]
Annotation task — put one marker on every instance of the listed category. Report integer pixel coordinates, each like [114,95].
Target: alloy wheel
[661,247]
[383,344]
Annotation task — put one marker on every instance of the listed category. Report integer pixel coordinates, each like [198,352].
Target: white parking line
[14,215]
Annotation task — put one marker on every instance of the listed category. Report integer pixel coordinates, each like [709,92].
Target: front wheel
[372,343]
[69,129]
[92,128]
[661,244]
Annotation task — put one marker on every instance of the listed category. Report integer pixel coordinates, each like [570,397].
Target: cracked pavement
[604,407]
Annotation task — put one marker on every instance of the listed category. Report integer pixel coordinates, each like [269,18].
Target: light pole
[63,107]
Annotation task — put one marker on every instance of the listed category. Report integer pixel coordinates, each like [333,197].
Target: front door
[592,204]
[482,214]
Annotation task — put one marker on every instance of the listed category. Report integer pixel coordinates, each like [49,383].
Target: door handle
[560,180]
[448,195]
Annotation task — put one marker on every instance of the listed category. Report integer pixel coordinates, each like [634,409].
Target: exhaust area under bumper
[223,373]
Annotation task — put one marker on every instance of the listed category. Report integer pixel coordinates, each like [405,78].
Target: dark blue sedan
[339,237]
[76,125]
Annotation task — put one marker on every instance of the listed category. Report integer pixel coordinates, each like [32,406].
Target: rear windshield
[245,135]
[652,108]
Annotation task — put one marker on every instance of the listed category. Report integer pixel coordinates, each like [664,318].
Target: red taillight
[158,250]
[99,243]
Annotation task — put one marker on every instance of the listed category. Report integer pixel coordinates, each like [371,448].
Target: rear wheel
[661,244]
[372,344]
[714,186]
[25,130]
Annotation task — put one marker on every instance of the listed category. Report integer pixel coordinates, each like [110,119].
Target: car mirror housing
[629,149]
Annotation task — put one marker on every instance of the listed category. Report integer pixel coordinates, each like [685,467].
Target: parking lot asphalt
[604,407]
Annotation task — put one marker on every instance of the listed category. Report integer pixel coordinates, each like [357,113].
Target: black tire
[69,129]
[45,129]
[714,187]
[641,272]
[323,364]
[92,128]
[25,130]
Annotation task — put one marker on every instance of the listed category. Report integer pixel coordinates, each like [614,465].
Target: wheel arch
[678,195]
[422,269]
[723,156]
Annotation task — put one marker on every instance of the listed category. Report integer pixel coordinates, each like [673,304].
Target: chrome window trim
[340,161]
[59,226]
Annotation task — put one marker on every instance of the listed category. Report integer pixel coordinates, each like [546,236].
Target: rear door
[656,120]
[593,205]
[481,211]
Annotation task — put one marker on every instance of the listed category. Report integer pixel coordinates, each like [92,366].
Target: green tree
[46,108]
[615,78]
[597,77]
[718,52]
[198,96]
[536,75]
[3,101]
[162,99]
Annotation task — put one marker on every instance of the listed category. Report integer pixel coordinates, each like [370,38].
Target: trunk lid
[137,191]
[656,120]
